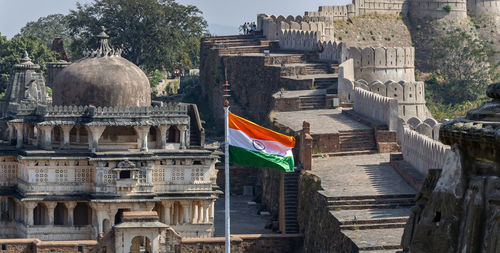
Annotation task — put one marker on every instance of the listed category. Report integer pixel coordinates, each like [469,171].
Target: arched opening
[118,138]
[152,137]
[173,135]
[119,215]
[40,215]
[60,214]
[160,211]
[106,225]
[140,244]
[4,209]
[82,214]
[78,136]
[56,135]
[11,209]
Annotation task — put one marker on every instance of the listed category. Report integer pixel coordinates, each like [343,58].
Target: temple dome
[102,78]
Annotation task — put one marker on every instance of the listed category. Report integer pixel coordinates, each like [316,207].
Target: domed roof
[102,78]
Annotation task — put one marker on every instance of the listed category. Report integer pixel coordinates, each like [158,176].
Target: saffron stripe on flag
[255,131]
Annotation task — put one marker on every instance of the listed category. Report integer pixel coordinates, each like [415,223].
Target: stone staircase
[357,140]
[312,102]
[373,223]
[238,44]
[325,83]
[291,183]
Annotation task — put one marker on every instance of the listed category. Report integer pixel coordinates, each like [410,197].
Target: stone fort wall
[436,8]
[417,132]
[483,7]
[373,63]
[416,9]
[271,26]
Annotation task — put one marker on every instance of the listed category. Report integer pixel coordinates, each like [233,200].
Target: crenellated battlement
[373,63]
[291,39]
[272,26]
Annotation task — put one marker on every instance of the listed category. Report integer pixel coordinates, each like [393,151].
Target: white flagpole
[227,191]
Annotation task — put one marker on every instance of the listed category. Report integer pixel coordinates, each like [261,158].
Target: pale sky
[223,16]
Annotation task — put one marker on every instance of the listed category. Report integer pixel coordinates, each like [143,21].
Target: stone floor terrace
[368,197]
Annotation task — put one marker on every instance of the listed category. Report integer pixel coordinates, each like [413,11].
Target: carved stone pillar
[167,205]
[182,130]
[29,208]
[163,136]
[19,134]
[46,136]
[142,133]
[212,210]
[195,213]
[95,133]
[50,211]
[11,132]
[66,130]
[70,206]
[185,207]
[206,213]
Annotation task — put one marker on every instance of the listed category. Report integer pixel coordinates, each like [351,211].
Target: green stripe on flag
[247,157]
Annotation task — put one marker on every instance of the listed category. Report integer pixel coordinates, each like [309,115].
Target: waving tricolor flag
[253,145]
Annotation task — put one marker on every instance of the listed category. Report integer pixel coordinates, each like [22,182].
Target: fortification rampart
[299,40]
[384,102]
[371,64]
[422,152]
[271,26]
[422,9]
[376,107]
[358,7]
[483,7]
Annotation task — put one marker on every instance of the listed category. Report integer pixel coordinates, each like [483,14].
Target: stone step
[358,141]
[376,239]
[370,206]
[371,201]
[347,153]
[373,226]
[353,149]
[388,196]
[341,132]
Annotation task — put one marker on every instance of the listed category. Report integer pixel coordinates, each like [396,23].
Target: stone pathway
[368,197]
[322,121]
[244,218]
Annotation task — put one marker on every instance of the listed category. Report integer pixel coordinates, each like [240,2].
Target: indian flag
[253,145]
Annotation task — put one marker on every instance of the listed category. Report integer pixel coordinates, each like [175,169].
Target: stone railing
[422,152]
[376,107]
[299,40]
[105,112]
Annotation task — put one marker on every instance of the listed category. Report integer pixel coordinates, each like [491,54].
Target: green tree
[50,27]
[11,52]
[153,33]
[463,71]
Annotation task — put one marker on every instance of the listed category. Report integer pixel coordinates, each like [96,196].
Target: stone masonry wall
[37,246]
[483,7]
[240,176]
[253,243]
[321,229]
